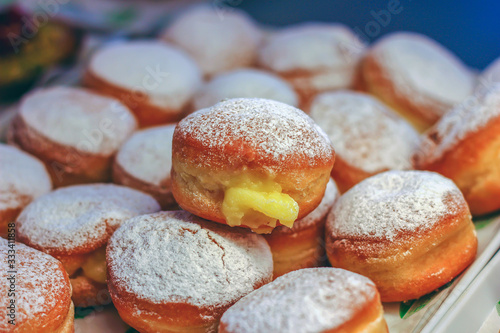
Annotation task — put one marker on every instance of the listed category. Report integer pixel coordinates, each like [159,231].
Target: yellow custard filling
[259,204]
[95,266]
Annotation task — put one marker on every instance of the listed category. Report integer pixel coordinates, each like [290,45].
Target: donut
[75,132]
[310,300]
[491,74]
[416,76]
[74,224]
[410,232]
[144,162]
[250,162]
[368,137]
[218,40]
[302,246]
[313,57]
[22,179]
[154,79]
[244,83]
[36,292]
[465,147]
[174,272]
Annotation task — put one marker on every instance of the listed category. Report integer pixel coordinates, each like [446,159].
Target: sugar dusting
[75,216]
[39,285]
[147,155]
[307,301]
[177,257]
[22,178]
[364,132]
[392,202]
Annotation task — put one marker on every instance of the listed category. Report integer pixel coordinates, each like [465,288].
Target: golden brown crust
[68,326]
[162,193]
[412,265]
[473,164]
[66,165]
[146,113]
[346,175]
[87,292]
[8,216]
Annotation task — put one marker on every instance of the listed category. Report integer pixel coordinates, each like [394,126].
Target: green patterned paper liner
[498,308]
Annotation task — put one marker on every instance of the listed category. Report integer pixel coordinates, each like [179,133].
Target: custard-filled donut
[465,147]
[74,131]
[250,162]
[410,232]
[311,300]
[22,179]
[144,162]
[37,297]
[368,137]
[302,246]
[174,272]
[416,76]
[154,79]
[74,224]
[313,57]
[219,40]
[244,83]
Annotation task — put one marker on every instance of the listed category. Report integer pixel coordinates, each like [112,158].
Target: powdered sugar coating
[465,119]
[78,118]
[423,69]
[311,47]
[69,218]
[40,284]
[270,131]
[164,73]
[177,257]
[244,83]
[147,155]
[308,301]
[218,39]
[22,178]
[491,74]
[365,133]
[394,202]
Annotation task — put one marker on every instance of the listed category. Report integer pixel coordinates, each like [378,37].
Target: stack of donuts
[223,178]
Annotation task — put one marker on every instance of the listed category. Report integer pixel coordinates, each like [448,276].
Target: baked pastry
[410,232]
[465,147]
[302,246]
[416,76]
[154,79]
[244,83]
[36,293]
[491,75]
[144,163]
[313,300]
[219,41]
[22,179]
[74,224]
[313,57]
[250,162]
[73,131]
[174,272]
[368,137]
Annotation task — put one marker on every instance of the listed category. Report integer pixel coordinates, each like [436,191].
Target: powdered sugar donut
[37,297]
[416,76]
[244,83]
[408,231]
[368,137]
[174,272]
[465,146]
[144,162]
[313,57]
[154,79]
[23,178]
[75,132]
[219,40]
[250,162]
[302,245]
[309,301]
[74,223]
